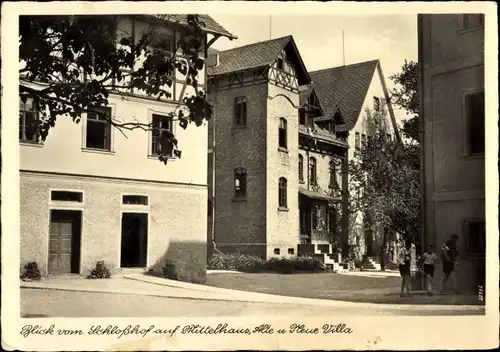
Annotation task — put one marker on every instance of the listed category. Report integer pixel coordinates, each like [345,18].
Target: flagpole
[343,48]
[270,25]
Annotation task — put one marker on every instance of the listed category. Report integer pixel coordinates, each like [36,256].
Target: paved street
[54,303]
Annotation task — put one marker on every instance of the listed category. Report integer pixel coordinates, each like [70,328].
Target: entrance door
[64,242]
[134,240]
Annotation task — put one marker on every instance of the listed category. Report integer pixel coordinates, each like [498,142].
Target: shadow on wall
[183,261]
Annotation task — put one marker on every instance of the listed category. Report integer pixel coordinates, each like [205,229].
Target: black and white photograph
[208,164]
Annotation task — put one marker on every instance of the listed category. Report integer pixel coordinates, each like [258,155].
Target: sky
[389,38]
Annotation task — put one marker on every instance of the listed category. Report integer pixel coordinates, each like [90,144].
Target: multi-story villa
[88,193]
[451,58]
[358,90]
[273,171]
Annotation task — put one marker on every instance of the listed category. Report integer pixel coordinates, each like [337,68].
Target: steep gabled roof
[211,26]
[257,55]
[344,87]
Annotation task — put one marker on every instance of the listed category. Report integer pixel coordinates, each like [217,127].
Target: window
[29,121]
[291,251]
[280,64]
[282,134]
[376,104]
[314,217]
[66,196]
[388,136]
[136,200]
[363,140]
[240,182]
[312,171]
[276,251]
[357,142]
[99,130]
[302,116]
[476,238]
[301,168]
[240,111]
[161,128]
[282,193]
[471,21]
[331,127]
[333,174]
[474,110]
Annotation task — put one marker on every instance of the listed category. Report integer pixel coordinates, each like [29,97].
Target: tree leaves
[81,62]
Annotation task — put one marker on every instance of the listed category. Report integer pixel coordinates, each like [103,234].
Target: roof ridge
[344,66]
[256,43]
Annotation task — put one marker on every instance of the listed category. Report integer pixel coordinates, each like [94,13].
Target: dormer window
[331,127]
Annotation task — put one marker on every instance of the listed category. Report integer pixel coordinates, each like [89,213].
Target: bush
[100,271]
[235,261]
[169,271]
[253,264]
[31,271]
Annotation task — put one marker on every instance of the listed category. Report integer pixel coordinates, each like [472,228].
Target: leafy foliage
[31,271]
[80,60]
[253,264]
[385,181]
[101,271]
[169,271]
[406,95]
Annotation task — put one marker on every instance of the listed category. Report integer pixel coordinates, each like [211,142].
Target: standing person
[404,269]
[449,254]
[430,258]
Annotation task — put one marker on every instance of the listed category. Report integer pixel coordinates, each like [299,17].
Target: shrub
[101,271]
[31,271]
[169,271]
[235,261]
[253,264]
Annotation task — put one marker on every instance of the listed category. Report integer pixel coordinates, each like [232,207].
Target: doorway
[134,246]
[64,241]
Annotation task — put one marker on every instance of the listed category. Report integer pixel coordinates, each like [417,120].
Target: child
[429,258]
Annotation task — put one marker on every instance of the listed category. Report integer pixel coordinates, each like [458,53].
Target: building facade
[451,58]
[268,157]
[359,91]
[89,193]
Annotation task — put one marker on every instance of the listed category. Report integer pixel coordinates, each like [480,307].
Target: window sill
[282,209]
[302,181]
[31,144]
[156,157]
[98,151]
[239,200]
[472,156]
[283,150]
[240,127]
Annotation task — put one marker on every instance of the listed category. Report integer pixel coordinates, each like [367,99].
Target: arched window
[282,193]
[312,171]
[301,168]
[282,134]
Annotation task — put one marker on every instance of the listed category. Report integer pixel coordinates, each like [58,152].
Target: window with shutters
[240,111]
[474,120]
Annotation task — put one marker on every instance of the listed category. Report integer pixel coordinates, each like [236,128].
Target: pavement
[150,286]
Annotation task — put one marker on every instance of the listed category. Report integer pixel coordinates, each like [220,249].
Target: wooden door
[61,234]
